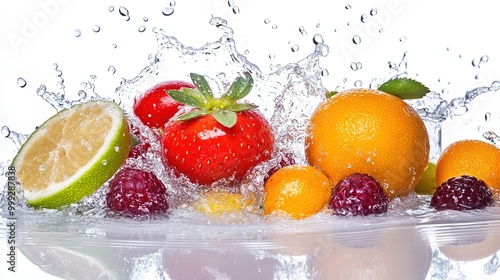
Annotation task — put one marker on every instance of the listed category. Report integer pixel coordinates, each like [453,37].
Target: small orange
[470,157]
[372,132]
[297,190]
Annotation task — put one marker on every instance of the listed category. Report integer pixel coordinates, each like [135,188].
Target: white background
[442,39]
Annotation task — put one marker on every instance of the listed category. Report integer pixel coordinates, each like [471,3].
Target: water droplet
[295,48]
[111,8]
[82,94]
[373,11]
[348,7]
[318,25]
[356,39]
[41,167]
[274,26]
[358,83]
[117,149]
[77,33]
[96,28]
[318,39]
[168,11]
[111,69]
[380,30]
[124,12]
[402,39]
[236,10]
[5,131]
[487,116]
[267,21]
[325,73]
[145,19]
[247,52]
[230,3]
[484,58]
[114,46]
[104,162]
[142,28]
[364,18]
[173,3]
[272,55]
[21,82]
[302,30]
[356,66]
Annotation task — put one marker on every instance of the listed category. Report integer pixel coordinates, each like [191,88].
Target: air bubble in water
[267,21]
[356,39]
[373,11]
[111,8]
[295,48]
[124,12]
[274,26]
[96,28]
[173,3]
[142,28]
[145,19]
[111,69]
[318,39]
[77,33]
[358,83]
[21,82]
[168,11]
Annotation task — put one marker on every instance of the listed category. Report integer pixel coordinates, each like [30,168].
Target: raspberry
[359,194]
[138,150]
[136,192]
[462,193]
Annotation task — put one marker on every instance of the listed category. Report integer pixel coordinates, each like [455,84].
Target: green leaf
[238,107]
[241,87]
[189,97]
[202,85]
[226,118]
[404,88]
[331,93]
[134,141]
[191,115]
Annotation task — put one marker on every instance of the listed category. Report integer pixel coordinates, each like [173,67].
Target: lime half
[72,154]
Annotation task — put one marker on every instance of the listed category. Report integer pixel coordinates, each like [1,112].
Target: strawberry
[218,138]
[154,108]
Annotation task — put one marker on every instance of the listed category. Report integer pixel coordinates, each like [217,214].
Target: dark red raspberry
[462,193]
[136,192]
[138,150]
[359,194]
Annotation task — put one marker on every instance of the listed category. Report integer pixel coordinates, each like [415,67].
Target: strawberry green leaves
[223,109]
[404,88]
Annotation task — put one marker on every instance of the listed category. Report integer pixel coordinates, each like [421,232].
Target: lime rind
[92,175]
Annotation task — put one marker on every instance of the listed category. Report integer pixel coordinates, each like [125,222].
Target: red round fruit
[155,107]
[206,151]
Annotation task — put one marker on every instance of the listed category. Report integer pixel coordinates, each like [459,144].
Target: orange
[470,157]
[372,132]
[297,190]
